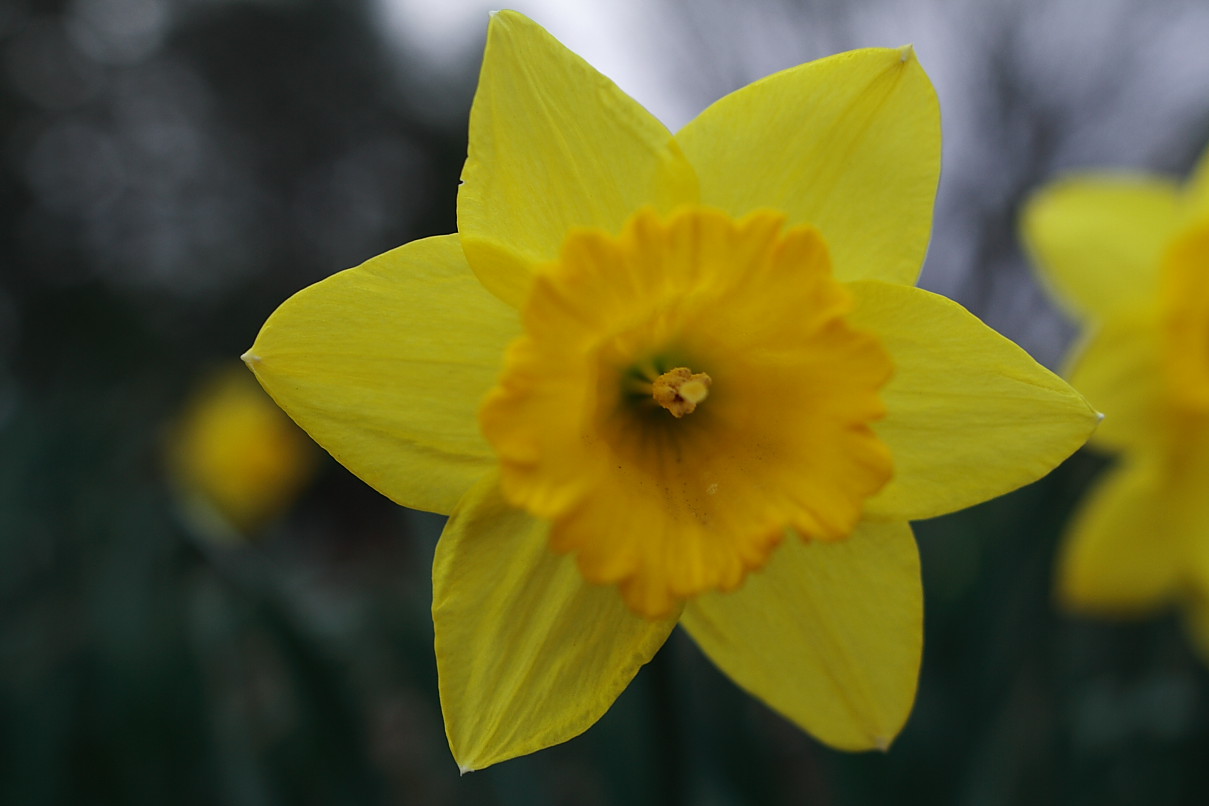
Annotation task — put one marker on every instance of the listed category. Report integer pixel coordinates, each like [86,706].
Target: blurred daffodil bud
[237,461]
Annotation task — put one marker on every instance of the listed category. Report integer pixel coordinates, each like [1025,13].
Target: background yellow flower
[236,461]
[1128,254]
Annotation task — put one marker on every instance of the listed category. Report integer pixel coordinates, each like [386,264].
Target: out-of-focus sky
[616,37]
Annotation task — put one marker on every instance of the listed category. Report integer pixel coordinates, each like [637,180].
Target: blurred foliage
[173,169]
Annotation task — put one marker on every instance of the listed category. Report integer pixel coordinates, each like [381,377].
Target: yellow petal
[969,414]
[1119,369]
[385,366]
[1098,239]
[1125,550]
[850,143]
[528,654]
[554,145]
[828,634]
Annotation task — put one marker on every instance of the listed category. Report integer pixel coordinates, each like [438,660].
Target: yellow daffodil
[661,379]
[1129,256]
[237,461]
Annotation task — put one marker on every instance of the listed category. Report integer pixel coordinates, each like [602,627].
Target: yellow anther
[679,390]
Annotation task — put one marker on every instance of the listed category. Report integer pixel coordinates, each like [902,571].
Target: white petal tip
[906,53]
[881,743]
[249,359]
[1099,416]
[465,768]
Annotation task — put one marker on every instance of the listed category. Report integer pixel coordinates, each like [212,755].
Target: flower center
[680,390]
[668,508]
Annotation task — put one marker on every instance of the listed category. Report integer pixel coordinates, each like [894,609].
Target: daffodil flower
[1128,255]
[664,379]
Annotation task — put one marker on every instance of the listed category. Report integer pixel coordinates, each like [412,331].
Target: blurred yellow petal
[828,633]
[1196,623]
[850,144]
[1186,505]
[1125,552]
[1098,239]
[554,145]
[969,414]
[1194,602]
[528,654]
[1119,370]
[1184,299]
[385,366]
[237,458]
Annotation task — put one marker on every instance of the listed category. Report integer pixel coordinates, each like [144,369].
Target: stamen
[679,390]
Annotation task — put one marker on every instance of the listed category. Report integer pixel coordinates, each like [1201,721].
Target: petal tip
[501,16]
[881,743]
[250,358]
[906,53]
[465,768]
